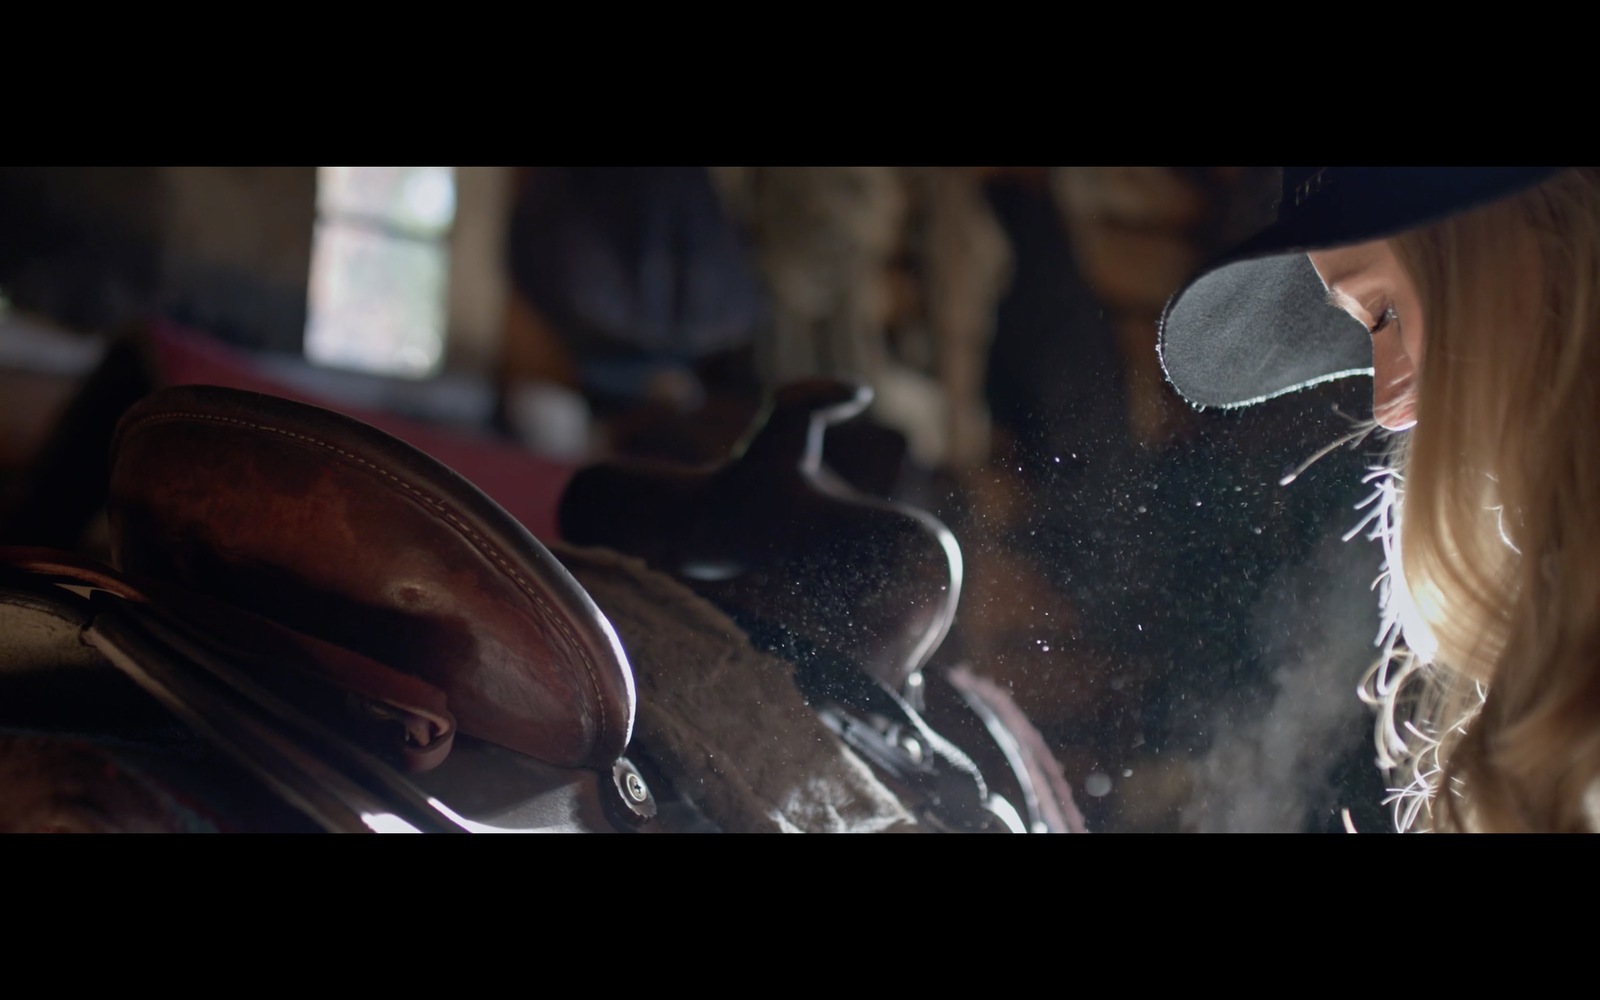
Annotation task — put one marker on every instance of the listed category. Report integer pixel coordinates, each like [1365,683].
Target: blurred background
[1185,630]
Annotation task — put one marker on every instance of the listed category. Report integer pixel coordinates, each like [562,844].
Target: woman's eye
[1388,316]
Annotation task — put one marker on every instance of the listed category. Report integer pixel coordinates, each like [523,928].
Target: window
[380,269]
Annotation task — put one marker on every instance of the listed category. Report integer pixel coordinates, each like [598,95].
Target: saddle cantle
[337,531]
[326,604]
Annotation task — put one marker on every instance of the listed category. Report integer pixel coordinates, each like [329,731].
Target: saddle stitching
[438,508]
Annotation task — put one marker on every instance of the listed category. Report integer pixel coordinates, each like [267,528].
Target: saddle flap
[341,532]
[404,718]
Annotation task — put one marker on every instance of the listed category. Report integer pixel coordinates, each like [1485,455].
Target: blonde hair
[1490,705]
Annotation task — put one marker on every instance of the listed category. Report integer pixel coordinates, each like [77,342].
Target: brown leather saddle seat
[328,604]
[332,529]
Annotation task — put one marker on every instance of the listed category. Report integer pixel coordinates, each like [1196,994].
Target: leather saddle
[329,608]
[858,592]
[304,605]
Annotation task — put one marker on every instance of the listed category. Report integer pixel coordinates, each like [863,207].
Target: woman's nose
[1394,387]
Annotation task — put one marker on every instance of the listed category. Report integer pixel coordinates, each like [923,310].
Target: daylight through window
[380,269]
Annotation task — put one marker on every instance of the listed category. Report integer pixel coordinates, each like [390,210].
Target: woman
[1479,294]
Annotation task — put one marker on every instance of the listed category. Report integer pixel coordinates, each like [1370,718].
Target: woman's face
[1367,281]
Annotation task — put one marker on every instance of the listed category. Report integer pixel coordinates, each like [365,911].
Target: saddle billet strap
[945,798]
[901,744]
[1042,784]
[340,786]
[1006,742]
[403,717]
[905,748]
